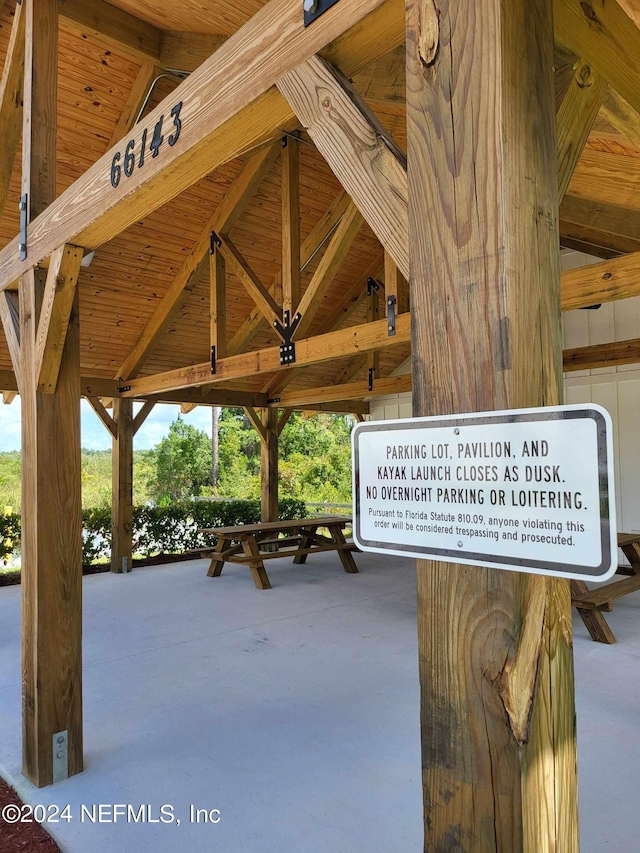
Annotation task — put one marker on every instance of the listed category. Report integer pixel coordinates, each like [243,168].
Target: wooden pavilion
[262,203]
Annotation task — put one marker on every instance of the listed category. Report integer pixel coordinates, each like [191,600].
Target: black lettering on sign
[127,164]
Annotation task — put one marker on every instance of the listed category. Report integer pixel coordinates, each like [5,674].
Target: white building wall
[615,388]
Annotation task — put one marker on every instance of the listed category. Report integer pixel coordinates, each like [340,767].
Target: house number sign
[134,156]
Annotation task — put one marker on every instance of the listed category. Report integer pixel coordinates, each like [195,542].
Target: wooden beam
[217,304]
[602,355]
[331,261]
[51,483]
[340,344]
[363,156]
[113,27]
[349,391]
[185,408]
[605,35]
[57,303]
[290,192]
[142,415]
[320,232]
[122,487]
[618,278]
[604,225]
[193,267]
[283,420]
[186,51]
[90,386]
[256,420]
[395,284]
[103,414]
[243,109]
[339,407]
[10,317]
[373,314]
[8,397]
[136,98]
[494,647]
[11,101]
[269,466]
[623,117]
[575,118]
[234,260]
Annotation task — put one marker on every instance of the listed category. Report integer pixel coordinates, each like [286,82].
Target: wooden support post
[373,313]
[495,647]
[218,304]
[269,469]
[122,487]
[51,484]
[290,224]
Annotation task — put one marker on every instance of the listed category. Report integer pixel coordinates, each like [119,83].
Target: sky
[94,434]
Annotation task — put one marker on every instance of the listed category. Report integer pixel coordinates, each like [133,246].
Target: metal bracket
[371,376]
[372,286]
[124,389]
[314,8]
[391,315]
[287,329]
[24,219]
[214,243]
[287,354]
[60,744]
[273,400]
[213,359]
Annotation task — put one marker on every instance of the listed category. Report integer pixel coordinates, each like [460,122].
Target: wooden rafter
[237,264]
[57,302]
[11,101]
[196,263]
[623,117]
[217,304]
[237,83]
[604,35]
[575,119]
[602,355]
[320,232]
[363,156]
[103,414]
[600,227]
[290,192]
[340,344]
[331,261]
[146,75]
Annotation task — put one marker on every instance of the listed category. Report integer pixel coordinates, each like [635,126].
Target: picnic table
[252,544]
[592,604]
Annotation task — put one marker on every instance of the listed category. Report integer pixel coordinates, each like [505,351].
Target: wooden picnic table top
[627,539]
[290,524]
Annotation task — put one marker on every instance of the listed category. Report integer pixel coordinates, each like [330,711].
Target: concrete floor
[294,712]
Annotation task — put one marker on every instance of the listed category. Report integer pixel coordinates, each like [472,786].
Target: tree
[183,463]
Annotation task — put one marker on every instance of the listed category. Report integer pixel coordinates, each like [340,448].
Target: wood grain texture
[269,466]
[11,101]
[10,317]
[114,27]
[136,98]
[122,487]
[229,108]
[102,413]
[290,194]
[623,117]
[602,355]
[618,278]
[333,345]
[606,226]
[218,303]
[362,155]
[142,415]
[498,722]
[234,260]
[57,303]
[575,118]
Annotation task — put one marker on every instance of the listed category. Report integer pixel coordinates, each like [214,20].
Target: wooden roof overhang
[231,82]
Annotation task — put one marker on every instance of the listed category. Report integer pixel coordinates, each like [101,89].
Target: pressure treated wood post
[269,465]
[122,487]
[495,648]
[51,484]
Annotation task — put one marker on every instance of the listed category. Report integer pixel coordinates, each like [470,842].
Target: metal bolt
[457,431]
[60,738]
[60,755]
[310,5]
[459,544]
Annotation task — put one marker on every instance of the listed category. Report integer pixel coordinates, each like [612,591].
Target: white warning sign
[529,490]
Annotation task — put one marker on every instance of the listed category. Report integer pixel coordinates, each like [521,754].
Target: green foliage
[9,535]
[183,464]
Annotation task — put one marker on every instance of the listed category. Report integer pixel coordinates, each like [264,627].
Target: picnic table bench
[251,544]
[592,604]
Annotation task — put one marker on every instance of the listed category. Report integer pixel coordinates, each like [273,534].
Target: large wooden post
[269,462]
[122,487]
[51,486]
[495,648]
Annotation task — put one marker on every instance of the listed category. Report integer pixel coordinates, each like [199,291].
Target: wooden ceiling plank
[243,109]
[11,101]
[195,264]
[575,118]
[362,155]
[103,414]
[57,302]
[314,241]
[607,37]
[331,261]
[341,344]
[114,27]
[602,355]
